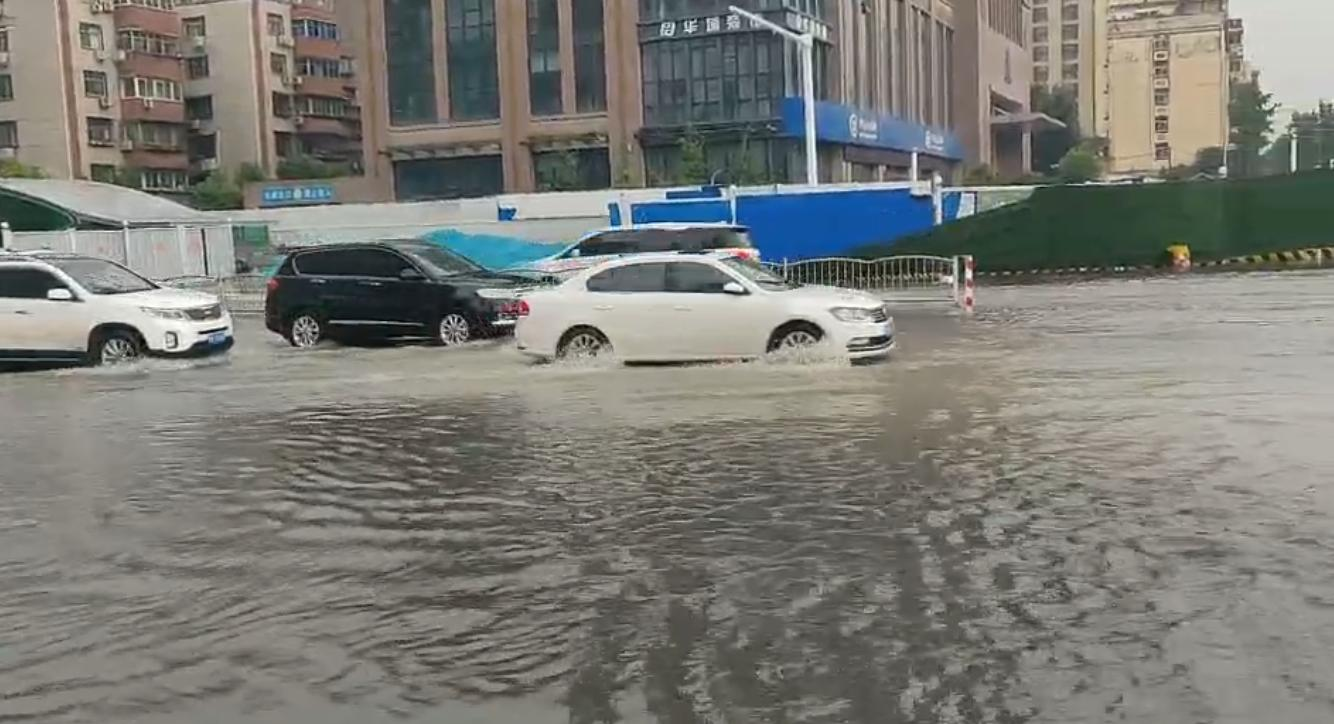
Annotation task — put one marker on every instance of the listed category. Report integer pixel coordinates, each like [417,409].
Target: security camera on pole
[806,42]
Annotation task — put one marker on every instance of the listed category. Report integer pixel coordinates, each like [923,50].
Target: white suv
[70,308]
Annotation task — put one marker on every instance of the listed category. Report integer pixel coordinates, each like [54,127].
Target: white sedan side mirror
[59,295]
[734,288]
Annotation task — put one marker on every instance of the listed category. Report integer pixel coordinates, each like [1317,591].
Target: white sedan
[691,307]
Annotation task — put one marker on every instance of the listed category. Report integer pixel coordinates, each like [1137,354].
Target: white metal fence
[913,278]
[157,253]
[242,293]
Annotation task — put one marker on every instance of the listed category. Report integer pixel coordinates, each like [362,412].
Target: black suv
[388,289]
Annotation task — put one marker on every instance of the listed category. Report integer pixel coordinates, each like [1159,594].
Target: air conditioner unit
[100,6]
[195,124]
[208,164]
[298,120]
[103,102]
[101,55]
[199,42]
[8,152]
[127,145]
[1162,56]
[4,59]
[148,103]
[121,56]
[298,81]
[286,41]
[1160,112]
[1161,83]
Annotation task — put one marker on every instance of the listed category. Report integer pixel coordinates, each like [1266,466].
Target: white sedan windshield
[756,272]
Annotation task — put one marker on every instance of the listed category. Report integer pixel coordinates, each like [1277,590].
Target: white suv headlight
[853,314]
[177,314]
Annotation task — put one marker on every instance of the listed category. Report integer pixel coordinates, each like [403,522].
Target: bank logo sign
[841,124]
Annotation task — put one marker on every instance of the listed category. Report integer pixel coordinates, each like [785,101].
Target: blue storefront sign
[837,123]
[303,195]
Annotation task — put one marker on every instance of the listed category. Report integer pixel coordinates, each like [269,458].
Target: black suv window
[632,278]
[638,241]
[352,263]
[27,283]
[694,278]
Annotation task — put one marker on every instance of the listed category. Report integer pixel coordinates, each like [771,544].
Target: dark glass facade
[410,62]
[711,79]
[474,89]
[653,10]
[574,170]
[544,58]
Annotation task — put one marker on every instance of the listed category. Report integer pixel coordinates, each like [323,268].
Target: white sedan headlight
[853,314]
[176,314]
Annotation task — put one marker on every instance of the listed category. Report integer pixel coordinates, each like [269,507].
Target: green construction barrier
[1131,225]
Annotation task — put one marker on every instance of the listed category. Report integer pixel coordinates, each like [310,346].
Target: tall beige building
[172,89]
[1168,73]
[1069,51]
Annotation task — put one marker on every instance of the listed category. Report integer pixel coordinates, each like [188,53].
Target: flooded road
[1103,502]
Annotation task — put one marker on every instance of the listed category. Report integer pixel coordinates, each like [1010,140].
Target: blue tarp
[493,251]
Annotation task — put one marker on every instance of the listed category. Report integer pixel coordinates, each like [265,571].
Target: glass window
[195,27]
[104,173]
[408,28]
[197,66]
[1070,51]
[333,262]
[139,41]
[638,241]
[590,57]
[101,131]
[650,277]
[162,179]
[1040,54]
[1070,12]
[100,276]
[1070,31]
[544,58]
[95,84]
[474,91]
[275,25]
[1041,34]
[278,63]
[1162,152]
[27,283]
[578,170]
[6,87]
[695,278]
[4,40]
[9,134]
[90,36]
[713,78]
[439,261]
[370,263]
[449,178]
[199,108]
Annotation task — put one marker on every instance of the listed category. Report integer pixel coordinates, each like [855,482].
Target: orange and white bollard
[969,285]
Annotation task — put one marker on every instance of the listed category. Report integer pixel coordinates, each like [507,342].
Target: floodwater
[1103,502]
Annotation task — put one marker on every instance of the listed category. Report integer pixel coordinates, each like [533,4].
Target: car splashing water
[1102,502]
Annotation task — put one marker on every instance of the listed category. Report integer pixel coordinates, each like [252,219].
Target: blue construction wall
[807,225]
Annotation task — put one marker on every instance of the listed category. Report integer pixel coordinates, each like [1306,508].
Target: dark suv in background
[390,289]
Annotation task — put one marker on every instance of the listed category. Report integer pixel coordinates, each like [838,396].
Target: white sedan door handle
[681,308]
[603,307]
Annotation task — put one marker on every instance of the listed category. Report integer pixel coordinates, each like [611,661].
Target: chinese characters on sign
[700,26]
[292,195]
[732,23]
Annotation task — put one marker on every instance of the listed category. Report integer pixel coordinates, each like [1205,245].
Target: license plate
[217,338]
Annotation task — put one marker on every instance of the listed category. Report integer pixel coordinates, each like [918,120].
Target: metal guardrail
[932,278]
[243,293]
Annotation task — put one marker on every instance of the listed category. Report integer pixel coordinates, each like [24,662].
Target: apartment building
[268,81]
[93,86]
[1070,51]
[167,90]
[1239,69]
[1168,76]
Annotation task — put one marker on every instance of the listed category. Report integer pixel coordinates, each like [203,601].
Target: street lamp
[806,42]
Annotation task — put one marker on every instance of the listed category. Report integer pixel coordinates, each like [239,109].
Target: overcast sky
[1290,43]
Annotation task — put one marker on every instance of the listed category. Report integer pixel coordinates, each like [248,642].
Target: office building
[1168,75]
[268,82]
[994,80]
[472,97]
[163,91]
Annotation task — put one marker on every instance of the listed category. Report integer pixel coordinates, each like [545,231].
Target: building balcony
[148,65]
[315,85]
[140,156]
[314,10]
[145,109]
[321,126]
[149,20]
[318,48]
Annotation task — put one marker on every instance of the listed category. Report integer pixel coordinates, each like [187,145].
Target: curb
[1300,257]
